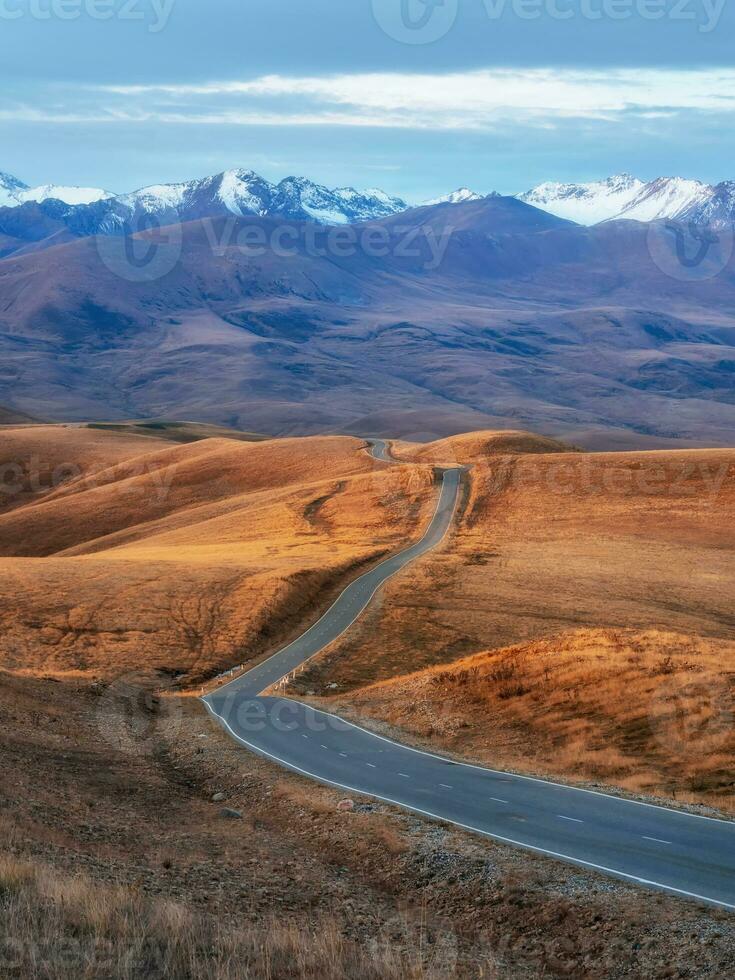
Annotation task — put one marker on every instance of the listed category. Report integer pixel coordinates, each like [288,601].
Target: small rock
[230,814]
[218,797]
[346,805]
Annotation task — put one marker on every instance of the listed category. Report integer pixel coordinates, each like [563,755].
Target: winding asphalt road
[669,850]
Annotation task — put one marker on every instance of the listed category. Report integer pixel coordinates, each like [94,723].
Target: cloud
[472,100]
[485,91]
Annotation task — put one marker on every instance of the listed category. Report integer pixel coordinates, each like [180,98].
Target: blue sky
[508,92]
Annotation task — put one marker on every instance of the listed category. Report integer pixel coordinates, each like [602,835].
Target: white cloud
[477,93]
[473,100]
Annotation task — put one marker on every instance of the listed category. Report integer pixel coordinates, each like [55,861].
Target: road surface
[665,849]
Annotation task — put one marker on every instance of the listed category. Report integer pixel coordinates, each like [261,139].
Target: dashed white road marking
[572,819]
[656,840]
[444,786]
[495,799]
[404,774]
[371,764]
[478,830]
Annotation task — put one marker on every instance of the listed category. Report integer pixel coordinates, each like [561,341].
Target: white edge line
[501,772]
[464,826]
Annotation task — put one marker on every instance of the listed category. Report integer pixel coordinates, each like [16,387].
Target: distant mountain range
[52,214]
[14,192]
[526,321]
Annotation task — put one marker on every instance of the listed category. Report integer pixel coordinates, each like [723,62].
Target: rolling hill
[133,554]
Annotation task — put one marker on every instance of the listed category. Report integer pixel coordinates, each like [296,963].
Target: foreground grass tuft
[54,928]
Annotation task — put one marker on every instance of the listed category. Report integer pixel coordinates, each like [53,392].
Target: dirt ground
[112,789]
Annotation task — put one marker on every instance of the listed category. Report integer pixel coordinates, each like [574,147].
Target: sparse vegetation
[72,928]
[192,559]
[649,711]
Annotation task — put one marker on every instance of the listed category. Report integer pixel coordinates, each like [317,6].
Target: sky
[417,97]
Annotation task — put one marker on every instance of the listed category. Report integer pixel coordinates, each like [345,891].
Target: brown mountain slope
[477,447]
[35,461]
[154,484]
[8,416]
[483,324]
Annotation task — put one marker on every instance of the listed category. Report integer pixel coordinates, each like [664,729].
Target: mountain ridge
[33,218]
[623,196]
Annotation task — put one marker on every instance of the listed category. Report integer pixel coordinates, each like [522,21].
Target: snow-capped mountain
[10,188]
[238,192]
[53,213]
[14,192]
[299,198]
[460,196]
[243,192]
[624,196]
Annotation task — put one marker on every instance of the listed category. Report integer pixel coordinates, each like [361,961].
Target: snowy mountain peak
[460,196]
[243,192]
[624,196]
[586,204]
[8,183]
[622,181]
[14,192]
[69,195]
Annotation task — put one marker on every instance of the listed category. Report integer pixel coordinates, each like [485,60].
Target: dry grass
[372,892]
[35,460]
[652,712]
[478,447]
[548,543]
[246,545]
[177,431]
[57,928]
[189,559]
